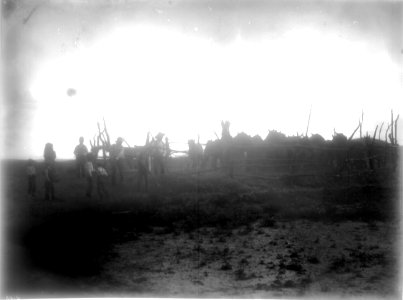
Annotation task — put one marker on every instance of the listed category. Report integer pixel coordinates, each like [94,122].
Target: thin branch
[107,134]
[25,21]
[376,129]
[391,129]
[352,135]
[396,129]
[386,133]
[309,119]
[126,143]
[380,130]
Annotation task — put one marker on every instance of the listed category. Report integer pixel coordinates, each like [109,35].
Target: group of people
[49,173]
[89,168]
[150,158]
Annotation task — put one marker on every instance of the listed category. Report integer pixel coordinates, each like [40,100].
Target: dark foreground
[204,235]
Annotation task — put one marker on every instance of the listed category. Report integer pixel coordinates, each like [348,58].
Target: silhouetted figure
[149,146]
[49,154]
[101,178]
[226,142]
[31,174]
[338,150]
[195,154]
[89,174]
[152,147]
[49,182]
[117,160]
[142,169]
[167,150]
[80,152]
[225,135]
[49,172]
[158,154]
[212,154]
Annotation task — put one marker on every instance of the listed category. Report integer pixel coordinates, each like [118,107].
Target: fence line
[350,148]
[284,175]
[269,146]
[265,161]
[328,146]
[291,162]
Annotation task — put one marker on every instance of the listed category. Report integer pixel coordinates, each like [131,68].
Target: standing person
[101,178]
[49,172]
[195,154]
[49,154]
[31,173]
[142,169]
[89,170]
[167,150]
[151,150]
[80,152]
[158,157]
[117,160]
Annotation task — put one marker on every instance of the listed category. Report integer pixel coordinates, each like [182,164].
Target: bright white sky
[146,77]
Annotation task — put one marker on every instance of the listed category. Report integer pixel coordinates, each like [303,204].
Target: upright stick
[396,129]
[380,130]
[309,119]
[391,128]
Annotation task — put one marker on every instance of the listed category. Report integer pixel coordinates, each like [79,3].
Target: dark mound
[72,244]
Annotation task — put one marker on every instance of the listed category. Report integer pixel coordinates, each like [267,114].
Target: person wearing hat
[81,152]
[159,154]
[117,160]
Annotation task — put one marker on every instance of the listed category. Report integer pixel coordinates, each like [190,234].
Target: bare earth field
[204,235]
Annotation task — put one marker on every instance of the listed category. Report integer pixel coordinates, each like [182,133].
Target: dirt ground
[298,258]
[236,239]
[289,259]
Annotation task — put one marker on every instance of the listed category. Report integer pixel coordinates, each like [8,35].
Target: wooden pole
[107,134]
[396,129]
[386,134]
[352,135]
[376,129]
[391,129]
[380,130]
[309,119]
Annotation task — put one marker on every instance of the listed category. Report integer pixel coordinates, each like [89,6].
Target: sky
[180,67]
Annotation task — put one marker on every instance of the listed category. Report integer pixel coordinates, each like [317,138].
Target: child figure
[89,172]
[101,179]
[31,173]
